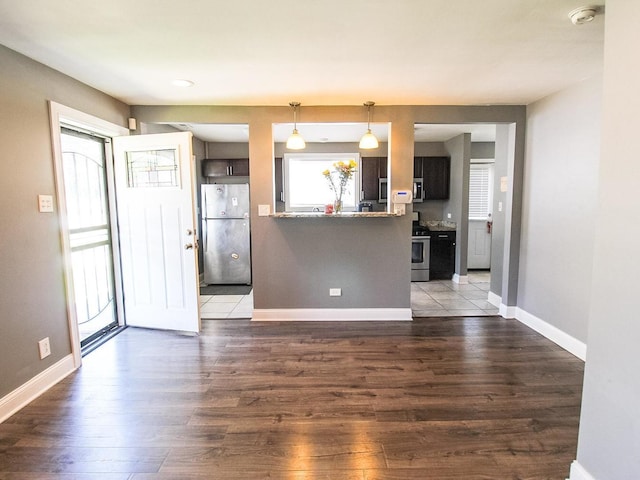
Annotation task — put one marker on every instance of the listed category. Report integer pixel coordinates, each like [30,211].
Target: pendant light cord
[369,104]
[295,106]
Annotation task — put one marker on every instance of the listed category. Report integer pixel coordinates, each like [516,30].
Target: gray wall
[512,217]
[459,149]
[500,169]
[430,149]
[609,439]
[296,261]
[559,206]
[32,298]
[300,255]
[484,150]
[227,149]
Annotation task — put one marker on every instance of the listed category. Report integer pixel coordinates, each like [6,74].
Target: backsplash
[439,225]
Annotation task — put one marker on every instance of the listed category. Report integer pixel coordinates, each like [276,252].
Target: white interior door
[156,216]
[479,254]
[480,202]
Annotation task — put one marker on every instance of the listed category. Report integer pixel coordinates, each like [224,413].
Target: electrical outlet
[335,292]
[44,347]
[399,208]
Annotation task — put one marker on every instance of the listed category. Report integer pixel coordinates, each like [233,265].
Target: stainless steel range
[420,245]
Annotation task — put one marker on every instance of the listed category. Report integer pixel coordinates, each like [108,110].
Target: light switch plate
[44,347]
[45,203]
[264,210]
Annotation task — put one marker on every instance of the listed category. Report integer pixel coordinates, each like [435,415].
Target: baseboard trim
[507,311]
[504,310]
[578,472]
[563,339]
[332,314]
[494,299]
[460,279]
[35,387]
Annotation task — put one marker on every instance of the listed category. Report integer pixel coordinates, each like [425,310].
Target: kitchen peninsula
[334,215]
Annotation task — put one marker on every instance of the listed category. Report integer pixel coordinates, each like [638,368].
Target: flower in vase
[338,179]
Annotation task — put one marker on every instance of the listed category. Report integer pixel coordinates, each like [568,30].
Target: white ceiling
[329,52]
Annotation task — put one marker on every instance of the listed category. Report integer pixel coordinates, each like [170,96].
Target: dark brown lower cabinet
[442,255]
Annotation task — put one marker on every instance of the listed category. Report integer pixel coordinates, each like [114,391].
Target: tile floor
[226,306]
[437,298]
[444,298]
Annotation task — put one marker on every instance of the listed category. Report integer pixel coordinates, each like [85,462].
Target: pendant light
[368,140]
[295,140]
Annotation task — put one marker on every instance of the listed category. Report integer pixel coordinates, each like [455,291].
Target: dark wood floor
[454,398]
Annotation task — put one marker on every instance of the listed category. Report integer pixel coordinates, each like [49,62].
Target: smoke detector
[582,15]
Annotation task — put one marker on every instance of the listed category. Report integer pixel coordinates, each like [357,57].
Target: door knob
[188,246]
[189,231]
[235,256]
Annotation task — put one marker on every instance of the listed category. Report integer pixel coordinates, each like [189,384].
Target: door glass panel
[155,168]
[86,200]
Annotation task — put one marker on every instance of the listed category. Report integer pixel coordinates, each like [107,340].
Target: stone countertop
[333,215]
[439,225]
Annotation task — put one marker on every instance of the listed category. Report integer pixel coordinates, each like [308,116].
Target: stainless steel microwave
[383,191]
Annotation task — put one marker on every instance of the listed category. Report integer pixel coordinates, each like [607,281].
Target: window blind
[480,189]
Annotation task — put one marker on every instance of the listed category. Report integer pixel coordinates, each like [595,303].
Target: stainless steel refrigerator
[225,233]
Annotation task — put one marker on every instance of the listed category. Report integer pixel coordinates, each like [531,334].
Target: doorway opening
[481,183]
[86,194]
[465,205]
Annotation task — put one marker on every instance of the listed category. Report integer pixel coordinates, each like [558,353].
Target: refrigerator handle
[204,235]
[203,206]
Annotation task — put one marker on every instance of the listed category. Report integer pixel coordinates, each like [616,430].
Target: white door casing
[156,216]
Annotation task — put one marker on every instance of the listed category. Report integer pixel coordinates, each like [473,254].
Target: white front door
[156,217]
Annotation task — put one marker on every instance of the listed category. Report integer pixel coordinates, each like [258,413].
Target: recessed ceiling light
[182,83]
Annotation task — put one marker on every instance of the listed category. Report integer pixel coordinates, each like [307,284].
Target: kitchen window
[306,188]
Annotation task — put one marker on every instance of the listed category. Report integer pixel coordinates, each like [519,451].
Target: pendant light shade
[295,140]
[368,140]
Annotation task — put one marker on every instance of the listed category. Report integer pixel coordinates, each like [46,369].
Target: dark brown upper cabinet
[436,174]
[372,170]
[221,167]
